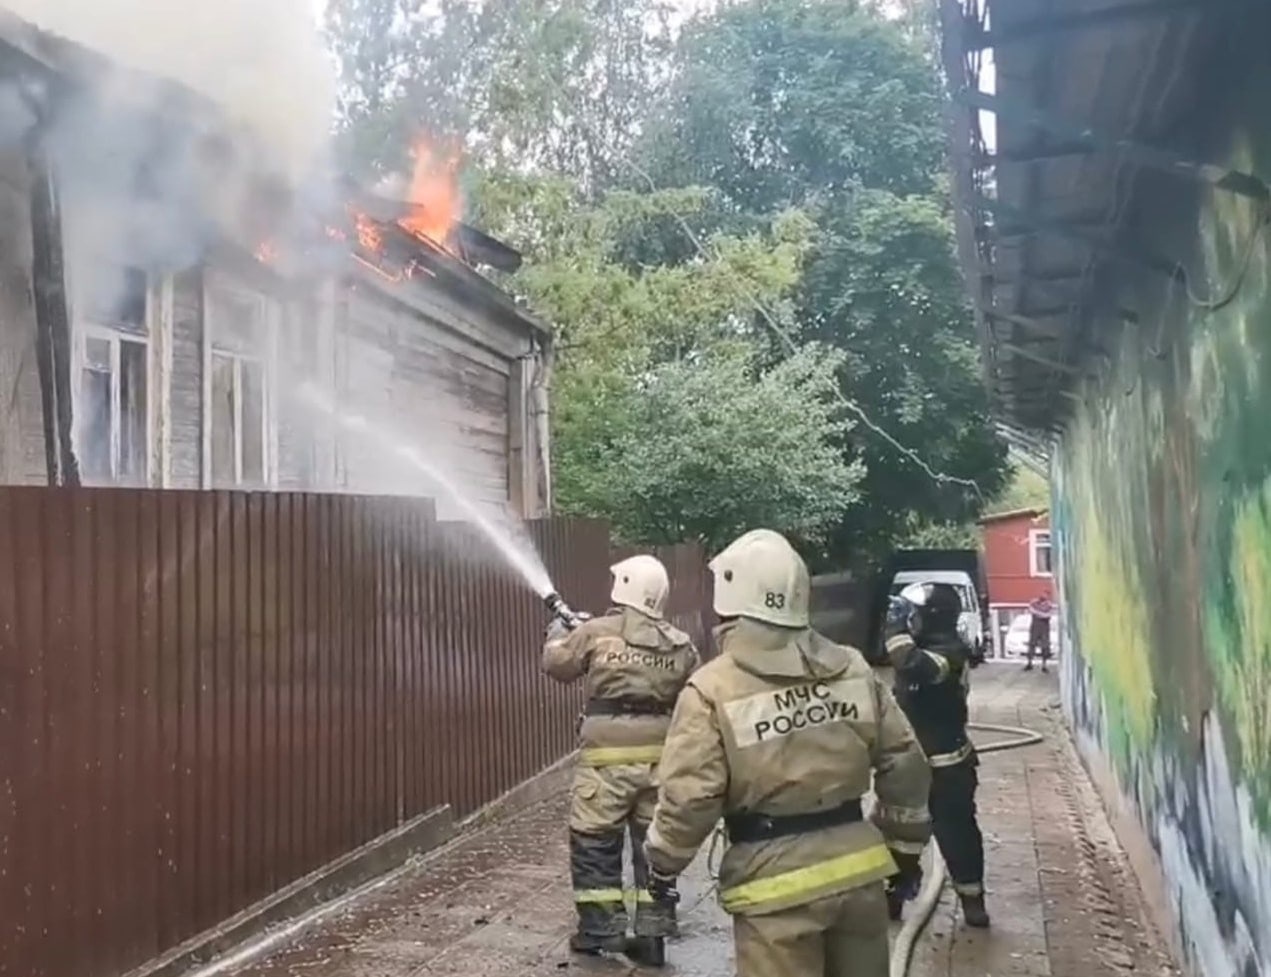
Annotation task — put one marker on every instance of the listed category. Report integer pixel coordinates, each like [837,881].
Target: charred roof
[46,72]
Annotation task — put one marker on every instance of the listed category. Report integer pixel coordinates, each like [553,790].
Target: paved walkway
[497,904]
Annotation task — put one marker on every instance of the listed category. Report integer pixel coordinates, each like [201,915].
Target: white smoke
[262,61]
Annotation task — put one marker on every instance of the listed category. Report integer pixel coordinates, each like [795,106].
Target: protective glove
[905,884]
[662,887]
[902,617]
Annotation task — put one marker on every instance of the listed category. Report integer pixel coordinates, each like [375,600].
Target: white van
[969,624]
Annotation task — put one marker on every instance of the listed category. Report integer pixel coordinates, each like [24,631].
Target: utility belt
[626,707]
[747,827]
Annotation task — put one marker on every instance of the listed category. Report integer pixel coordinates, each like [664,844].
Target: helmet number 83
[771,599]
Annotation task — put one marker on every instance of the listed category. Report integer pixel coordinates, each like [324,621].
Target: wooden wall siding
[451,400]
[304,439]
[449,373]
[186,390]
[22,459]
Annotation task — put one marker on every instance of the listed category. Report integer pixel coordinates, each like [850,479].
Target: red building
[1017,560]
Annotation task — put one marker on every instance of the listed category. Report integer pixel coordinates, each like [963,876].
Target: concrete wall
[1162,516]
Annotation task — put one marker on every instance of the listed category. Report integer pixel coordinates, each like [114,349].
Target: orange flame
[368,235]
[434,196]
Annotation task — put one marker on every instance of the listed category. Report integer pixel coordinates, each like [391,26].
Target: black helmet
[939,608]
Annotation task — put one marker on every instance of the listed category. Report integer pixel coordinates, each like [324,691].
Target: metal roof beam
[1042,154]
[1096,243]
[1006,231]
[1024,322]
[1162,160]
[1038,358]
[977,39]
[1041,277]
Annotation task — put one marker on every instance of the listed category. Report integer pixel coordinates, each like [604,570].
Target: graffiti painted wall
[1162,517]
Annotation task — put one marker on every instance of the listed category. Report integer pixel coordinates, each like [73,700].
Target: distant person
[1041,610]
[635,664]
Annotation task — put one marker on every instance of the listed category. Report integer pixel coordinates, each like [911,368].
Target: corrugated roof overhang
[1088,95]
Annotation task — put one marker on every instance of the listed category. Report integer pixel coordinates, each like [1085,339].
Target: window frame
[218,343]
[1034,548]
[92,329]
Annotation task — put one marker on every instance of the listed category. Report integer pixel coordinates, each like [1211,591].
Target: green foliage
[556,86]
[1027,490]
[829,107]
[797,149]
[687,450]
[780,101]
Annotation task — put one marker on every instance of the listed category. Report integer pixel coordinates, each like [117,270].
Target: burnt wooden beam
[52,326]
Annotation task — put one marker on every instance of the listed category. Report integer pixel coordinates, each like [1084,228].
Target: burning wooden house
[165,291]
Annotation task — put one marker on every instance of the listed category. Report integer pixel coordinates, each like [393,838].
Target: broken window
[112,430]
[239,411]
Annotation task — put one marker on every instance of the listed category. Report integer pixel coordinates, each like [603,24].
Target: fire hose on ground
[923,907]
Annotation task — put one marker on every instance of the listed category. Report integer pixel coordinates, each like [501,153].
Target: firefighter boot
[974,911]
[596,945]
[895,904]
[647,951]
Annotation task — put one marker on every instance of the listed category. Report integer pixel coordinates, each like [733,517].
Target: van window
[964,593]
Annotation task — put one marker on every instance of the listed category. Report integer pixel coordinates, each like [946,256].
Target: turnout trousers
[953,821]
[611,804]
[838,936]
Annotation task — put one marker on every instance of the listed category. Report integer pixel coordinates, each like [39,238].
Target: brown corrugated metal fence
[204,696]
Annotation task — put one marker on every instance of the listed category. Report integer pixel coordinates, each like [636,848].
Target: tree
[832,109]
[559,86]
[687,450]
[1027,490]
[666,419]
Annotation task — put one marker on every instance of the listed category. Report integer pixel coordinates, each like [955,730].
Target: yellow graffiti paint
[1115,633]
[1244,668]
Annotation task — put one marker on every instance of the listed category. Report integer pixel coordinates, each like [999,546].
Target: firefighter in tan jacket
[635,664]
[780,735]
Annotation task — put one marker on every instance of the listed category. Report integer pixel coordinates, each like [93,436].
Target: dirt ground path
[497,903]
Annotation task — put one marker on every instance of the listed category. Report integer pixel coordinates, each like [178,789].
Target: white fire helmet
[640,582]
[760,576]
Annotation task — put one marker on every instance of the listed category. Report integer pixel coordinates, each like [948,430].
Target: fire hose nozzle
[557,607]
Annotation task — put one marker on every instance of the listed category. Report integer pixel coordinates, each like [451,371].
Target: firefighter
[932,663]
[779,735]
[634,664]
